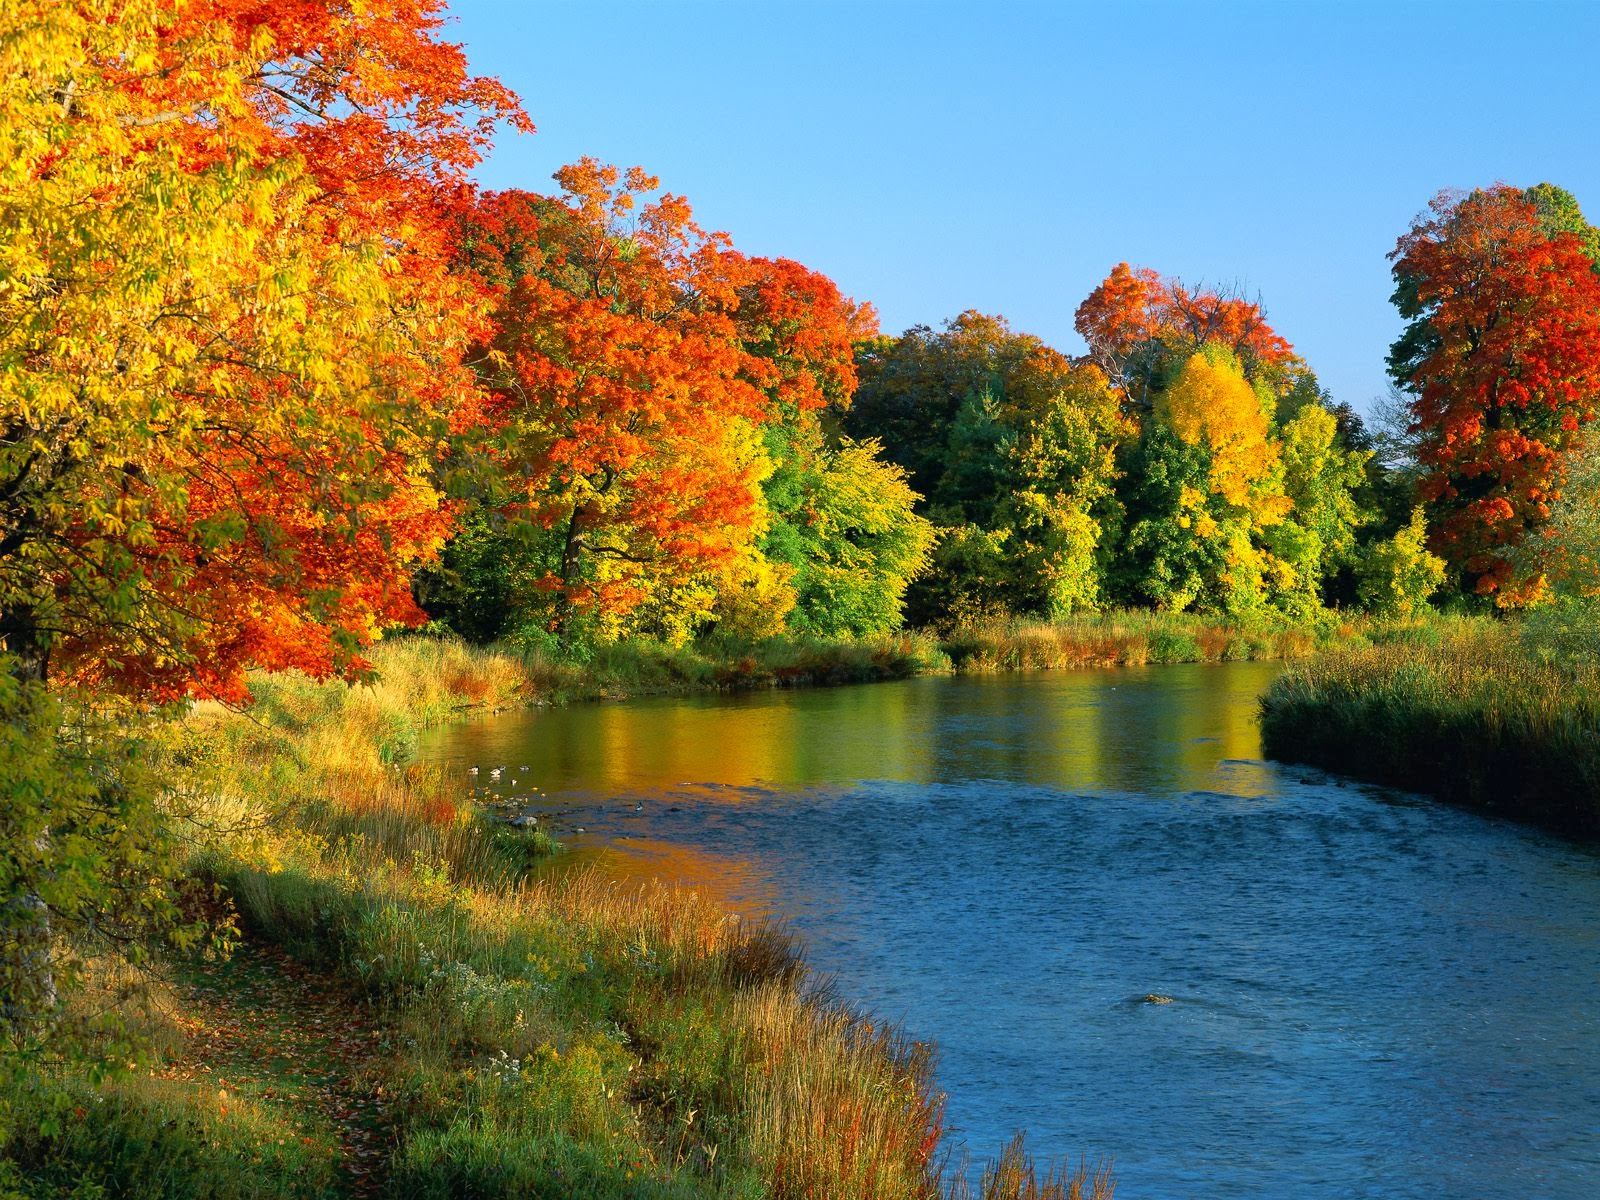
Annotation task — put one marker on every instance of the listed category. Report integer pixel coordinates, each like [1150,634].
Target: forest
[279,384]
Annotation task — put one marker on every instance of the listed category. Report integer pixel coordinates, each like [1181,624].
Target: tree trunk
[571,560]
[27,977]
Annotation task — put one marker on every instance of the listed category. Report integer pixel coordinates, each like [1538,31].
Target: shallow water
[1373,995]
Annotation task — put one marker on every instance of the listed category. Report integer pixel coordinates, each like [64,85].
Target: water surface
[1373,995]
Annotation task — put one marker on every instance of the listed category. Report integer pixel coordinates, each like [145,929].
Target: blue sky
[934,157]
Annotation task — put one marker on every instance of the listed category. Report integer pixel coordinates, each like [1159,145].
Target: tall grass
[727,662]
[543,1034]
[1463,710]
[1130,638]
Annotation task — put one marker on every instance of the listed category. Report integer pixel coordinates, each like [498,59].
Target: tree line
[1188,461]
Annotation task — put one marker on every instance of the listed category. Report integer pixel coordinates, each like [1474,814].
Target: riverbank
[1111,639]
[1462,710]
[509,1033]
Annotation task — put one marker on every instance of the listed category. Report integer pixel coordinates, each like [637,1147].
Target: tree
[1058,500]
[1211,403]
[1213,484]
[1014,445]
[1566,554]
[1398,575]
[229,341]
[914,386]
[224,369]
[1136,323]
[622,400]
[1321,480]
[801,333]
[863,545]
[1174,549]
[1501,360]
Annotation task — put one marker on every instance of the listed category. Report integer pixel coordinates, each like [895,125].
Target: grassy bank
[726,663]
[1110,639]
[462,1026]
[1131,638]
[1463,710]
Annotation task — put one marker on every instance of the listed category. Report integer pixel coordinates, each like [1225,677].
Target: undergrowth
[1468,710]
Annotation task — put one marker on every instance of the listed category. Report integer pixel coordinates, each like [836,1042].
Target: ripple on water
[1370,994]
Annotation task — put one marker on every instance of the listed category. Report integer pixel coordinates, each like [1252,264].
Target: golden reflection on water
[740,884]
[1157,729]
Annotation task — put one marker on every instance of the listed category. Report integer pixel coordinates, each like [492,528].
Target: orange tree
[1136,323]
[229,344]
[623,406]
[1501,359]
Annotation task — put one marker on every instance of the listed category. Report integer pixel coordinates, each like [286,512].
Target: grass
[729,663]
[521,1033]
[1132,638]
[1466,710]
[1117,638]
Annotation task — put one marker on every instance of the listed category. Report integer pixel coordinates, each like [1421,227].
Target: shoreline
[1470,718]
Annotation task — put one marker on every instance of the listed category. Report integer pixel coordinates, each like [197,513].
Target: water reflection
[1153,730]
[1374,995]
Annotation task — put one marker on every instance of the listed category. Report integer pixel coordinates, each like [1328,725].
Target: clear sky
[934,157]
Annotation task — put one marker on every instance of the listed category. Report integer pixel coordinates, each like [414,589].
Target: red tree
[1502,360]
[1132,307]
[622,397]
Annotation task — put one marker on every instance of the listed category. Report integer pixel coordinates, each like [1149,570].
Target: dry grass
[835,1104]
[1462,710]
[1014,1176]
[1132,638]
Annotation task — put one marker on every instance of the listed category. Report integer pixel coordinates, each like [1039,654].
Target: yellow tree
[1212,408]
[229,345]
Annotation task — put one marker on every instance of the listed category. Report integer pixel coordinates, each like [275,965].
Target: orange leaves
[634,357]
[623,397]
[220,413]
[1133,306]
[1502,358]
[1120,313]
[799,334]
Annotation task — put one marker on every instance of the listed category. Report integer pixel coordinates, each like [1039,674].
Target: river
[1372,994]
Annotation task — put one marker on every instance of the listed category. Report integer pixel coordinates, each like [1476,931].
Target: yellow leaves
[1212,404]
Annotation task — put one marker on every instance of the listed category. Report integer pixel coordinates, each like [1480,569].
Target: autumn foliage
[1502,361]
[621,398]
[229,331]
[1133,306]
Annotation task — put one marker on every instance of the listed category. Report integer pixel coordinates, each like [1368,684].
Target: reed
[1464,710]
[1128,638]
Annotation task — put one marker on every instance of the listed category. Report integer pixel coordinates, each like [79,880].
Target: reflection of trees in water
[741,885]
[1158,729]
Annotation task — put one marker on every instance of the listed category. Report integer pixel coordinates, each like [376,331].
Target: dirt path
[263,1026]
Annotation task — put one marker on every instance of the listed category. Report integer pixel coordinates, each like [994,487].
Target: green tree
[1058,502]
[1172,552]
[1565,553]
[912,388]
[861,543]
[1398,575]
[1210,486]
[1322,480]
